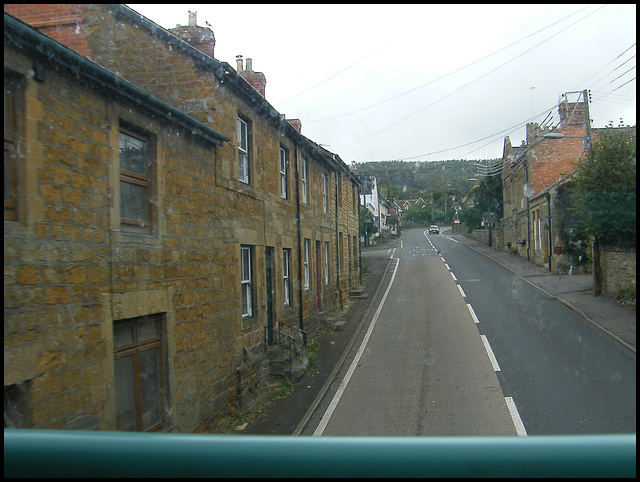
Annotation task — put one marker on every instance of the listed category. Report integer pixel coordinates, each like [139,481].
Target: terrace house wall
[189,268]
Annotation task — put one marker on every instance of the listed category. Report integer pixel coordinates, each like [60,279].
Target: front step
[358,293]
[294,369]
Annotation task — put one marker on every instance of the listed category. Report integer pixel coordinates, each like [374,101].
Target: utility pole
[597,267]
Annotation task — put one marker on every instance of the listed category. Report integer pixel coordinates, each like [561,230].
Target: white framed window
[243,151]
[303,175]
[307,282]
[283,173]
[537,241]
[246,281]
[326,262]
[286,256]
[325,188]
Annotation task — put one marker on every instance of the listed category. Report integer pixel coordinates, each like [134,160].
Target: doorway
[318,283]
[270,285]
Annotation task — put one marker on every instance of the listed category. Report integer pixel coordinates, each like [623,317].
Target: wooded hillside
[410,180]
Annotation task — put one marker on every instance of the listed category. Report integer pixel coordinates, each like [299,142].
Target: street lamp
[586,141]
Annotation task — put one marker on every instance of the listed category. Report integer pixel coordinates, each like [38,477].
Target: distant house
[369,196]
[388,216]
[380,207]
[408,203]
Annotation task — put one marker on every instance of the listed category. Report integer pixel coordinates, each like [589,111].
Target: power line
[620,86]
[450,73]
[508,129]
[584,82]
[334,75]
[475,80]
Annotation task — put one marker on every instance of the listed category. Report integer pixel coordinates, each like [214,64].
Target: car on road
[433,229]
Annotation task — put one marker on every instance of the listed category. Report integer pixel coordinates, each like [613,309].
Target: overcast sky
[426,82]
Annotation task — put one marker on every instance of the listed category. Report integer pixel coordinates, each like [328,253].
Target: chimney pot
[239,68]
[249,65]
[192,19]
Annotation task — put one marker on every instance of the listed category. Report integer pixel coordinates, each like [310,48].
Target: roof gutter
[60,58]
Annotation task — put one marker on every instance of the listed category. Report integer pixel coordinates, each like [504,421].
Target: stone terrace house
[163,223]
[533,175]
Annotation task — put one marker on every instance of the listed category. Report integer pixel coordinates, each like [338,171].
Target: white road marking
[461,291]
[473,314]
[513,410]
[492,357]
[343,385]
[515,416]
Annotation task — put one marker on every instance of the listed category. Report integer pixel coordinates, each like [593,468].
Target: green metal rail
[53,453]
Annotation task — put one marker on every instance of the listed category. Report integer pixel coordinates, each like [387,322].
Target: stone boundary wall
[618,269]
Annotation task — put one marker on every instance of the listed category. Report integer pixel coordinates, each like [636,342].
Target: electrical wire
[492,136]
[466,85]
[584,82]
[332,76]
[448,74]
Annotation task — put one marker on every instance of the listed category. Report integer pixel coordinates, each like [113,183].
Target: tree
[487,197]
[366,223]
[603,194]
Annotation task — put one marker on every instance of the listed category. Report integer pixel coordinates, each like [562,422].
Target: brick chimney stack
[201,38]
[257,79]
[296,124]
[572,114]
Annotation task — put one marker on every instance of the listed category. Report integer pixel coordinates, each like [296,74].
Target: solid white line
[515,416]
[461,291]
[343,385]
[487,347]
[473,314]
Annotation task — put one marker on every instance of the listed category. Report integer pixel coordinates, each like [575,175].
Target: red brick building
[531,175]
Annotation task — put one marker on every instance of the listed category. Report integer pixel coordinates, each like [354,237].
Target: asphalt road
[421,367]
[564,375]
[458,345]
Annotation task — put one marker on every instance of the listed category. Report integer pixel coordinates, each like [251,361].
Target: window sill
[137,237]
[249,322]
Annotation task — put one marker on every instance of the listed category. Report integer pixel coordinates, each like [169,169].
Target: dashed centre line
[473,314]
[487,347]
[513,410]
[461,291]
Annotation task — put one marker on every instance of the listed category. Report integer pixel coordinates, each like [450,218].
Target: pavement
[288,415]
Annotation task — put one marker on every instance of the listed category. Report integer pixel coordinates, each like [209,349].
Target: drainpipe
[526,180]
[549,220]
[338,243]
[300,248]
